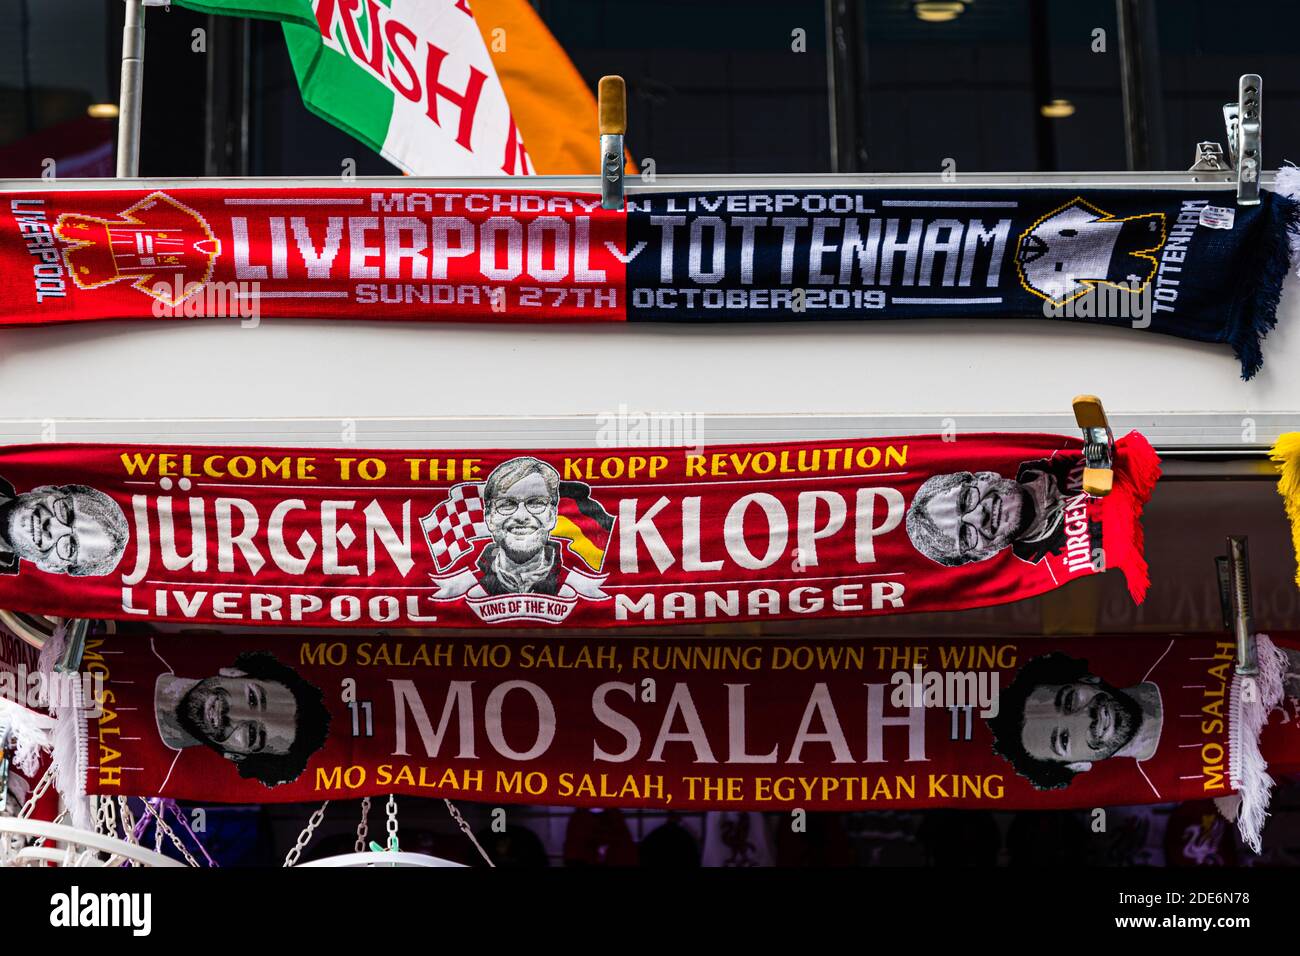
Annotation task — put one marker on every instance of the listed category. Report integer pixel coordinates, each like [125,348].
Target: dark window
[715,86]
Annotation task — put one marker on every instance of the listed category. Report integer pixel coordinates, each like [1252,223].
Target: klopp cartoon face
[64,529]
[521,498]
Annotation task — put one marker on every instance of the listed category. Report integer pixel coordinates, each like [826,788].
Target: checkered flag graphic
[453,524]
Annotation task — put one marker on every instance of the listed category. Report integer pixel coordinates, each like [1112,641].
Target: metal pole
[846,77]
[128,119]
[1243,616]
[1139,52]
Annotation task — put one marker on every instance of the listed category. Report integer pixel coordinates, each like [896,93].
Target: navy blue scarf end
[1265,271]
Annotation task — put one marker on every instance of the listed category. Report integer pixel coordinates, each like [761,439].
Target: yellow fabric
[552,105]
[579,543]
[1287,455]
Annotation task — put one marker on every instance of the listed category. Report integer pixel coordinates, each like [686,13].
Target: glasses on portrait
[64,511]
[508,506]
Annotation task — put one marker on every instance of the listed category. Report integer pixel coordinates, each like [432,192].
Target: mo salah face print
[570,537]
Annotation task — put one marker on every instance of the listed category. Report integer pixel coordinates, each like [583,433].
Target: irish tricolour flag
[421,81]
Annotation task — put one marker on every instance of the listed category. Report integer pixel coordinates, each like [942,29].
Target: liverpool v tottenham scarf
[1191,264]
[589,537]
[1012,723]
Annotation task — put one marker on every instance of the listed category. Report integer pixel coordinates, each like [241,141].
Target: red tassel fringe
[1137,468]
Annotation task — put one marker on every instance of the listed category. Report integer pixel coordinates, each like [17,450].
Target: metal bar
[1041,72]
[1140,83]
[1199,445]
[1243,615]
[846,44]
[128,121]
[833,56]
[1168,179]
[1135,112]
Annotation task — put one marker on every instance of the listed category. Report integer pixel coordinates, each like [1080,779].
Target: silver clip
[1250,89]
[6,756]
[74,647]
[1210,159]
[611,99]
[1230,124]
[1243,615]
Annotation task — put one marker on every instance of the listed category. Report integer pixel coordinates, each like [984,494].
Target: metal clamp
[1243,614]
[74,647]
[1098,445]
[612,109]
[6,757]
[37,630]
[1244,120]
[1210,159]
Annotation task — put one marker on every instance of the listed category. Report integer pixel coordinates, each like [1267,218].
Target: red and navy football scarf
[1186,263]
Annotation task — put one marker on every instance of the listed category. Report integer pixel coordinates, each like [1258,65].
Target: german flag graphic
[584,523]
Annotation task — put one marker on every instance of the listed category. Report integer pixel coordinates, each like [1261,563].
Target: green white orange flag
[420,82]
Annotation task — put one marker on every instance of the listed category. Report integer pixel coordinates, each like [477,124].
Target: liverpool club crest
[160,246]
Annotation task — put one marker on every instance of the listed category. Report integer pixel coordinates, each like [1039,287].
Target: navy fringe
[1266,269]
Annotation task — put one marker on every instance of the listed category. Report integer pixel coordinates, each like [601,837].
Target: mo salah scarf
[1191,264]
[585,537]
[1007,723]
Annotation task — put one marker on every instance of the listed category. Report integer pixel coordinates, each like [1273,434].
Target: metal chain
[363,828]
[37,792]
[128,824]
[460,822]
[108,814]
[128,819]
[305,836]
[392,822]
[171,835]
[63,815]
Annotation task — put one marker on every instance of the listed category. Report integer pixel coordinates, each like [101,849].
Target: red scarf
[589,538]
[1014,723]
